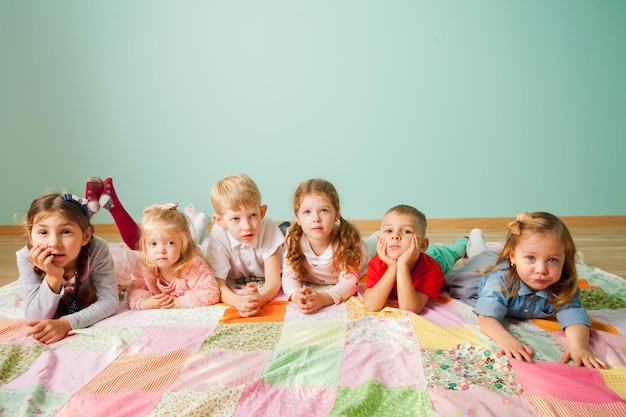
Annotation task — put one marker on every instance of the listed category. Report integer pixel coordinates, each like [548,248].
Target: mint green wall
[463,109]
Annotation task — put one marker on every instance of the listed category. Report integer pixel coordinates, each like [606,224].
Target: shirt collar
[308,252]
[526,290]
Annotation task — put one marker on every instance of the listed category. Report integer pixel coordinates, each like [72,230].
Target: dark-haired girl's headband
[82,202]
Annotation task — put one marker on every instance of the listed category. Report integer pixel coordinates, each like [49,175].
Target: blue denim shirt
[526,304]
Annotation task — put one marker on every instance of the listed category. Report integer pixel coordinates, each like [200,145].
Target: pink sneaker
[106,199]
[93,190]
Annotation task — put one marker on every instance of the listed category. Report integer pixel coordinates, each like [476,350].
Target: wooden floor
[603,246]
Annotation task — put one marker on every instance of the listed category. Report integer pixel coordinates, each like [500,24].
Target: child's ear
[263,210]
[424,245]
[218,219]
[87,235]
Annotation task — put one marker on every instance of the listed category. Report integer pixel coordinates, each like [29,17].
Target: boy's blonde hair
[233,192]
[418,217]
[175,222]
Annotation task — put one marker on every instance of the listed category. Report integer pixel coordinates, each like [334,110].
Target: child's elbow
[370,306]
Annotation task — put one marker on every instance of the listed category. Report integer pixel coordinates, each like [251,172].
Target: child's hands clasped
[248,300]
[159,301]
[48,331]
[308,300]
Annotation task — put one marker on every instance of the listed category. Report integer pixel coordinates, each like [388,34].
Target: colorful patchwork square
[615,379]
[244,337]
[130,403]
[264,399]
[32,400]
[139,372]
[15,360]
[217,401]
[102,338]
[308,366]
[433,336]
[569,383]
[331,312]
[382,331]
[466,366]
[272,311]
[374,399]
[182,337]
[392,366]
[220,367]
[318,333]
[57,370]
[479,401]
[191,316]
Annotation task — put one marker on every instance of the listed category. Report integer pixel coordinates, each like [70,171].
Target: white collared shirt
[232,259]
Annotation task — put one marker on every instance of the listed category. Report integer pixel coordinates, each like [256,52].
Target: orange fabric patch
[274,311]
[583,284]
[552,325]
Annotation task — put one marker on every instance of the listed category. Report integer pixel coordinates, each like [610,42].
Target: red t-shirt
[427,275]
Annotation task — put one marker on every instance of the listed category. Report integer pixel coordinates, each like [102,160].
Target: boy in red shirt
[402,268]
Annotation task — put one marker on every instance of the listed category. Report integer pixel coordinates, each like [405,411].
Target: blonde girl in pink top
[321,248]
[171,272]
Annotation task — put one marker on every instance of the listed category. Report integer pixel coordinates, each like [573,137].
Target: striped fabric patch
[139,372]
[551,406]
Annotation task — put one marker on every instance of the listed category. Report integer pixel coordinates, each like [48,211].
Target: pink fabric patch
[261,398]
[479,402]
[153,339]
[219,367]
[63,371]
[442,314]
[393,366]
[565,382]
[129,404]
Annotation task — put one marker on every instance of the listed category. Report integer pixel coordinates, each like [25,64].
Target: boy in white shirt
[243,245]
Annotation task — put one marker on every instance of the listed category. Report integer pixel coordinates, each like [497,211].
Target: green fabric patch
[102,338]
[16,359]
[309,366]
[374,399]
[598,299]
[189,316]
[34,400]
[218,401]
[244,337]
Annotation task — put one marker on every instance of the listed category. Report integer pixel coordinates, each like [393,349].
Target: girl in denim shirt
[533,277]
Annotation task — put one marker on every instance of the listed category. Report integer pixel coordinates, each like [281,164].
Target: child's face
[396,232]
[538,259]
[163,248]
[62,237]
[243,223]
[317,217]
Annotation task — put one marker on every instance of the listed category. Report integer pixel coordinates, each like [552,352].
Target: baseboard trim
[373,224]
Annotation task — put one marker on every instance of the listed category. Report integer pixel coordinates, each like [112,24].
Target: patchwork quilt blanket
[343,361]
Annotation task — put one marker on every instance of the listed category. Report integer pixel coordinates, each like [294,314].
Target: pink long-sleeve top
[196,288]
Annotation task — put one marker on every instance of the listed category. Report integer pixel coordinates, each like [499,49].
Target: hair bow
[166,206]
[514,227]
[82,202]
